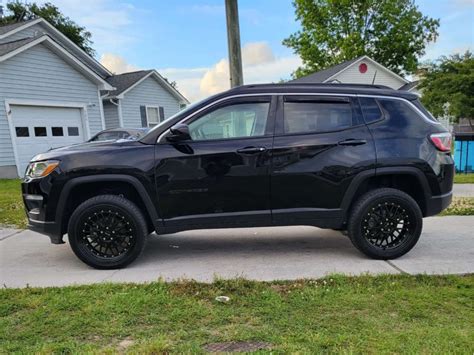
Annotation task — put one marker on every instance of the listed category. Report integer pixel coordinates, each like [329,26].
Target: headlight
[41,168]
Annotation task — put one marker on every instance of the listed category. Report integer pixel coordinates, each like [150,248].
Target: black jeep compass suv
[366,159]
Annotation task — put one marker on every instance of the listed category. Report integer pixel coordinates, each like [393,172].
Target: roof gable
[322,75]
[127,81]
[48,29]
[330,74]
[11,49]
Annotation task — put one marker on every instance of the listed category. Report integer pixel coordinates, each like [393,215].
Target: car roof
[303,88]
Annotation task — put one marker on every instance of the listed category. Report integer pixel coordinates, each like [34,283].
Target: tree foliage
[450,80]
[393,32]
[19,11]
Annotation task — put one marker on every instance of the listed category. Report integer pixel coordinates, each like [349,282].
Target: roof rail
[340,85]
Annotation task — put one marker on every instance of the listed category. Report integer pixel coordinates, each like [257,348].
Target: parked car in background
[361,158]
[115,134]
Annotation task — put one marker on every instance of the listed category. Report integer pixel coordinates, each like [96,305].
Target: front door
[321,143]
[221,177]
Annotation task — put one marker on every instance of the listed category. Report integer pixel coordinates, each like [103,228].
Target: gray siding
[151,93]
[39,74]
[111,115]
[35,30]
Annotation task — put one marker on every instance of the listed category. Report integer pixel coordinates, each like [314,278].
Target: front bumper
[51,229]
[37,200]
[437,204]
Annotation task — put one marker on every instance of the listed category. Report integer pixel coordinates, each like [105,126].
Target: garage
[36,129]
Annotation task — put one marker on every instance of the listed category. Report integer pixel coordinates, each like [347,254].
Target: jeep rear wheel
[385,223]
[107,232]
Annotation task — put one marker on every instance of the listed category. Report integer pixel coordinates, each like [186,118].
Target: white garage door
[36,129]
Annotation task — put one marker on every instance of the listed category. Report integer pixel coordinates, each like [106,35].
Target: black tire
[107,232]
[385,223]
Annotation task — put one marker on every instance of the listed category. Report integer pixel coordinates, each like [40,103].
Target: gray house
[53,94]
[360,70]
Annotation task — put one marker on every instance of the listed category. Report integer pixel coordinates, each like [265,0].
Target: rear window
[370,109]
[304,117]
[399,110]
[427,113]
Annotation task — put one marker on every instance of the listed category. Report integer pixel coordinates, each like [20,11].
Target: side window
[301,117]
[370,109]
[233,121]
[398,110]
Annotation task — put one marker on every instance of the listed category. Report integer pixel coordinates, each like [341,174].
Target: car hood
[57,153]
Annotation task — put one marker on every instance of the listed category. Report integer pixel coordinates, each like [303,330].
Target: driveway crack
[396,267]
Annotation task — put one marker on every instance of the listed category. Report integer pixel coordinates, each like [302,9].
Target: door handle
[251,150]
[352,142]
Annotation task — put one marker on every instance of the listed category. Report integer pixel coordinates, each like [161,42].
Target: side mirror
[179,132]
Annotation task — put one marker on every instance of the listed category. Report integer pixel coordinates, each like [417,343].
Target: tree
[393,32]
[450,80]
[26,11]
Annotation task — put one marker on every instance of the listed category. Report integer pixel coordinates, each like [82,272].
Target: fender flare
[393,170]
[145,197]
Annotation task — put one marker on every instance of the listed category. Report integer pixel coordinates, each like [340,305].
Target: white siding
[39,74]
[111,115]
[353,76]
[34,30]
[151,93]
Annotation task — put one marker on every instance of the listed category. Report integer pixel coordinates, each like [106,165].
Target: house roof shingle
[123,81]
[8,47]
[11,26]
[321,76]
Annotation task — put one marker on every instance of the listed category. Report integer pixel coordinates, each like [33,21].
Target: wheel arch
[142,197]
[408,179]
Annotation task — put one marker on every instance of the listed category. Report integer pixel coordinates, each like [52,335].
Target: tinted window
[72,131]
[425,111]
[22,132]
[233,121]
[57,131]
[398,110]
[370,109]
[40,131]
[302,117]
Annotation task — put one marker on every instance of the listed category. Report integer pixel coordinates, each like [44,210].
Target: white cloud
[260,66]
[257,53]
[116,64]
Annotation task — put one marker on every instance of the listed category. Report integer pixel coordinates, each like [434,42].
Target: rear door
[321,143]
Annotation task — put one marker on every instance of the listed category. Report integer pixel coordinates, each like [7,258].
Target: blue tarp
[464,156]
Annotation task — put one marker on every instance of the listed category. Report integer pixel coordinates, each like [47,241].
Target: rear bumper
[437,204]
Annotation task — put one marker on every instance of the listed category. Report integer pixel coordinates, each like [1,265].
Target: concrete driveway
[463,190]
[446,247]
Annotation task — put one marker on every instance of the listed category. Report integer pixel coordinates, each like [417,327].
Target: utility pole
[233,41]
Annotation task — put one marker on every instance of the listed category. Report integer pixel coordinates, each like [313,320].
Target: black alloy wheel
[107,232]
[385,223]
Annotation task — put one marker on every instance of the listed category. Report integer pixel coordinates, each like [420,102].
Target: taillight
[442,141]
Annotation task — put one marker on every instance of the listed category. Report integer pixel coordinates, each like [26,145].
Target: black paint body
[277,179]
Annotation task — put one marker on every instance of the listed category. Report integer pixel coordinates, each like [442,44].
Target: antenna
[375,75]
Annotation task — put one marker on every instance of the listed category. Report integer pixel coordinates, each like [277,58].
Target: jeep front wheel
[385,223]
[107,232]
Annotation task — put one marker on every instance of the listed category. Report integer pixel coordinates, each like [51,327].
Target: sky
[186,41]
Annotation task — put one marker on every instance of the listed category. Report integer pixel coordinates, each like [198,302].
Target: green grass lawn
[13,215]
[12,212]
[464,179]
[384,314]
